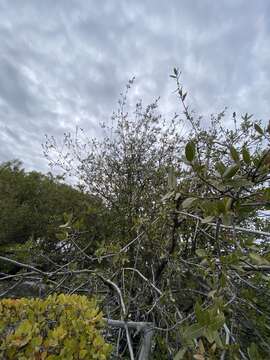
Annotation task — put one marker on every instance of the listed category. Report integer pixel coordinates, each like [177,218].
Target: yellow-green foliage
[59,327]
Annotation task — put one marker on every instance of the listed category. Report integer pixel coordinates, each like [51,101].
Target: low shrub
[58,327]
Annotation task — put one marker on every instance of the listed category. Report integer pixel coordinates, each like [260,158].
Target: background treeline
[33,206]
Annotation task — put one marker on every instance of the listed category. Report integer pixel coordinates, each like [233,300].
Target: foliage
[128,168]
[58,327]
[186,243]
[33,206]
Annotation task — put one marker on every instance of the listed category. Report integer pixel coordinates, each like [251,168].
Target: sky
[63,63]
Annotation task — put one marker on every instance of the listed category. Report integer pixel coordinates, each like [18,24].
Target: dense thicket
[184,235]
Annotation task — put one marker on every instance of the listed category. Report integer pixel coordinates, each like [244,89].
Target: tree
[186,248]
[33,206]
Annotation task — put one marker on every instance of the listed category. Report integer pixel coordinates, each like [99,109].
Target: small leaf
[194,331]
[171,179]
[187,203]
[258,259]
[180,354]
[213,348]
[167,196]
[212,293]
[201,252]
[253,352]
[190,151]
[226,219]
[229,203]
[246,155]
[230,171]
[234,154]
[258,129]
[200,314]
[208,219]
[198,357]
[201,347]
[220,167]
[217,322]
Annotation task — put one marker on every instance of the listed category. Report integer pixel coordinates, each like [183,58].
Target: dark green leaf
[220,167]
[190,151]
[246,155]
[234,154]
[202,315]
[230,171]
[258,129]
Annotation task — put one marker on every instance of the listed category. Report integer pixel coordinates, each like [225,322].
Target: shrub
[58,327]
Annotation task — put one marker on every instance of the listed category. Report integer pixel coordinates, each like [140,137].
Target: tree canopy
[33,206]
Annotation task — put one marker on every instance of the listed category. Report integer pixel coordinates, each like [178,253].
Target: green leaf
[253,352]
[220,167]
[226,219]
[190,151]
[187,203]
[258,259]
[208,219]
[201,253]
[180,354]
[202,316]
[230,171]
[258,129]
[171,179]
[234,154]
[217,322]
[246,155]
[167,196]
[228,202]
[194,331]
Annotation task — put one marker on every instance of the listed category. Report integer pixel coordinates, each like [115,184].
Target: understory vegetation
[59,327]
[168,227]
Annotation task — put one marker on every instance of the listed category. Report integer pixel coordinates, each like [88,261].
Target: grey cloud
[64,62]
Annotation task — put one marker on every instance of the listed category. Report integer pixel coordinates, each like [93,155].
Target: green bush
[58,327]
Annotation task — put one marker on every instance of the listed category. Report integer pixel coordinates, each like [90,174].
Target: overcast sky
[64,62]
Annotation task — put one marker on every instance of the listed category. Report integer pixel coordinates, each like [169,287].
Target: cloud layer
[64,62]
